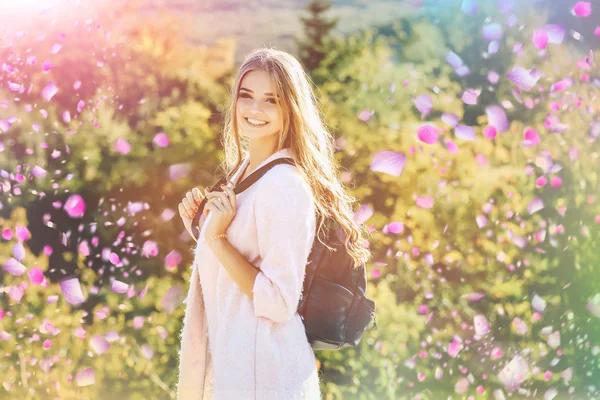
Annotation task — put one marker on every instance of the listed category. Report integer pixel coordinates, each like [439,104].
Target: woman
[242,336]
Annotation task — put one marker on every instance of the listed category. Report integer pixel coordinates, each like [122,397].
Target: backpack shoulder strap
[245,184]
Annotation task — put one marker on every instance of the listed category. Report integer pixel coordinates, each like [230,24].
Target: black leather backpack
[333,305]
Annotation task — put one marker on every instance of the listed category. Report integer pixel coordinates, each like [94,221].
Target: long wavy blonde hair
[305,133]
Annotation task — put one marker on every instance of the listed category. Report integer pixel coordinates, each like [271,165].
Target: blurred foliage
[478,251]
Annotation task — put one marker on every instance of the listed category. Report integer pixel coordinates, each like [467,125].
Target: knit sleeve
[285,221]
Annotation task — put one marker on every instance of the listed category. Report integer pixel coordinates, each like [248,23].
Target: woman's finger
[216,205]
[190,197]
[183,212]
[188,208]
[197,195]
[231,196]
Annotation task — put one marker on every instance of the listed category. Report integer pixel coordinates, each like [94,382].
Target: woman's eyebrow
[248,90]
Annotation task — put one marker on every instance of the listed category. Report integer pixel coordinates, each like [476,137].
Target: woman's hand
[222,206]
[188,208]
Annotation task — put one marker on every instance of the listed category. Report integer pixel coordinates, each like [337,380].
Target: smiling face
[258,114]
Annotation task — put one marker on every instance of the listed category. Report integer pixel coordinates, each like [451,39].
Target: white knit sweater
[235,348]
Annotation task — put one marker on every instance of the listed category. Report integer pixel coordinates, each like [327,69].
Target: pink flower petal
[362,214]
[481,324]
[454,348]
[71,289]
[582,9]
[38,172]
[80,105]
[540,38]
[23,233]
[538,303]
[177,171]
[514,373]
[424,104]
[469,7]
[75,206]
[470,96]
[122,146]
[473,296]
[36,276]
[99,344]
[450,119]
[424,202]
[497,118]
[149,249]
[465,132]
[523,79]
[554,339]
[161,140]
[535,205]
[389,162]
[119,287]
[492,32]
[49,91]
[173,259]
[489,132]
[428,134]
[14,267]
[532,137]
[454,60]
[85,378]
[18,251]
[46,66]
[365,115]
[4,125]
[556,33]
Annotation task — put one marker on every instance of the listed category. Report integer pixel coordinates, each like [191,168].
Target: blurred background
[468,131]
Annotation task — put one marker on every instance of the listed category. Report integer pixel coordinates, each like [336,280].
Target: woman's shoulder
[283,180]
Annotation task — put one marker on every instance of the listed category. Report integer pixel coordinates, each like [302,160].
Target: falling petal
[523,79]
[365,115]
[46,66]
[4,125]
[532,137]
[161,140]
[469,7]
[538,303]
[535,205]
[66,116]
[395,227]
[554,339]
[71,289]
[556,33]
[497,118]
[450,119]
[582,9]
[492,32]
[489,132]
[520,326]
[75,206]
[454,60]
[147,352]
[493,47]
[99,344]
[85,377]
[389,162]
[49,91]
[454,348]
[18,251]
[362,214]
[119,287]
[80,105]
[36,276]
[481,324]
[38,172]
[122,146]
[514,373]
[149,249]
[428,134]
[172,299]
[173,259]
[540,38]
[561,85]
[465,132]
[476,296]
[593,306]
[177,171]
[470,96]
[461,386]
[424,202]
[14,267]
[424,104]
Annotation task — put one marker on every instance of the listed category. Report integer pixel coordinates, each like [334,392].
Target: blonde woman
[242,336]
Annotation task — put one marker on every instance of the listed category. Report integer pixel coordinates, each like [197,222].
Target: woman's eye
[244,95]
[273,100]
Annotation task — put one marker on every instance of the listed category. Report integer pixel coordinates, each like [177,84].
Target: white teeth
[256,122]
